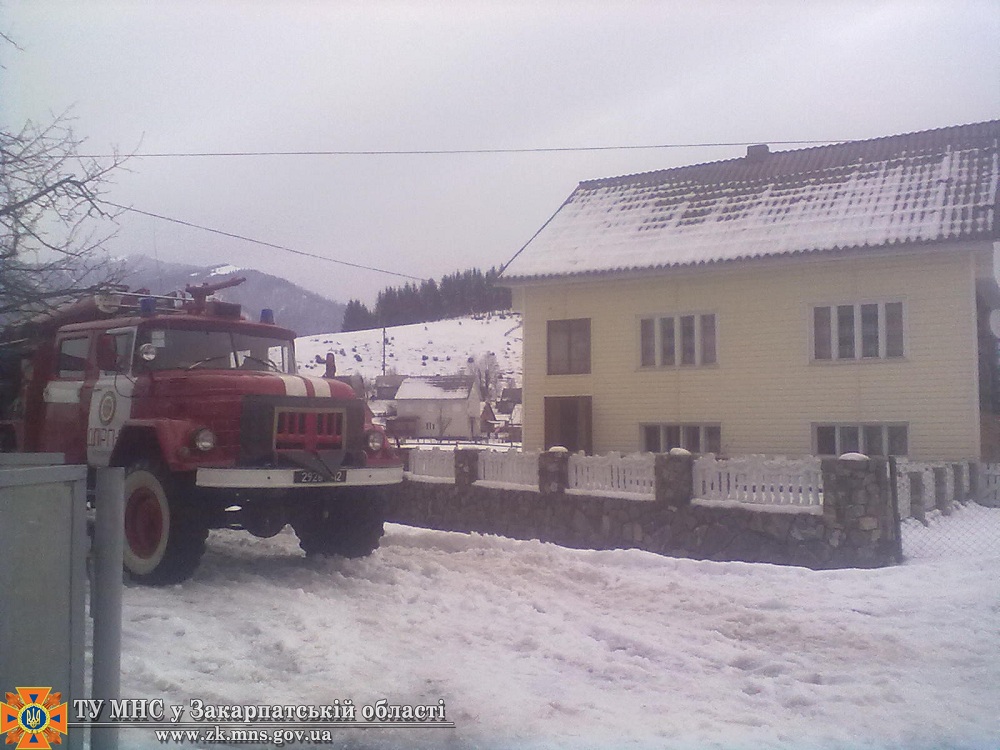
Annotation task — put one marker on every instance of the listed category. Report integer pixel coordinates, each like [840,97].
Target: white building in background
[441,406]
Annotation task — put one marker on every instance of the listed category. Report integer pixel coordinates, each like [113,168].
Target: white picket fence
[435,463]
[990,483]
[989,475]
[760,480]
[613,475]
[509,468]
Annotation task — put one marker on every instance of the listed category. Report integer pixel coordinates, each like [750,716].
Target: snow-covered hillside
[440,348]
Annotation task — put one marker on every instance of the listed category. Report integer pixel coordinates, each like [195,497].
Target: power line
[447,152]
[260,242]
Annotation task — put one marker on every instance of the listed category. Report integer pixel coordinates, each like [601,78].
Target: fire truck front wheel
[350,524]
[164,535]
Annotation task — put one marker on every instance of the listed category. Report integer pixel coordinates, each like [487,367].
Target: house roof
[435,387]
[512,394]
[389,381]
[931,186]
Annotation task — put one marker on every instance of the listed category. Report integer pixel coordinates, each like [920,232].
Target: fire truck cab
[205,411]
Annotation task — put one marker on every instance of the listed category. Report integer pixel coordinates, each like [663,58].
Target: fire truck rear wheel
[164,534]
[350,525]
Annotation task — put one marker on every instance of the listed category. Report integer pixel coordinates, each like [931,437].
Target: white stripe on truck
[321,387]
[294,385]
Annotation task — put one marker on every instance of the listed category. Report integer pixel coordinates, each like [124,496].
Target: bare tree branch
[53,225]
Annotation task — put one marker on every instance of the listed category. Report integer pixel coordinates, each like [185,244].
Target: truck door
[64,424]
[110,399]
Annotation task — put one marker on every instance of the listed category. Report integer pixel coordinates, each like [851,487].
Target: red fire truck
[205,411]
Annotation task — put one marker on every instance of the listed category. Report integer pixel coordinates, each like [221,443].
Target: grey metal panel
[30,459]
[35,476]
[43,549]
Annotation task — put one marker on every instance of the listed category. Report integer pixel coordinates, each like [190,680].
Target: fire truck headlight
[203,439]
[375,441]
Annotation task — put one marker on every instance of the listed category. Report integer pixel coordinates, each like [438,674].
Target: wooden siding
[765,390]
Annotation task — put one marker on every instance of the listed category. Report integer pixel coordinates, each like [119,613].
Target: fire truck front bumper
[297,478]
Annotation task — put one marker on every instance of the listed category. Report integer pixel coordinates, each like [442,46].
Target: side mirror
[107,353]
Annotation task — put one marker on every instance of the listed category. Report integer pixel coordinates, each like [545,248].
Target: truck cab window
[114,351]
[181,349]
[73,358]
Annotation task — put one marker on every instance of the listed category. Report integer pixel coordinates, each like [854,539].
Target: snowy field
[533,645]
[439,348]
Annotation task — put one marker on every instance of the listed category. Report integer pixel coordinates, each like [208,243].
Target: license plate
[301,476]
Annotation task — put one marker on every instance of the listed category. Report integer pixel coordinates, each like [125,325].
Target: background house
[386,386]
[812,301]
[442,406]
[511,429]
[509,398]
[488,421]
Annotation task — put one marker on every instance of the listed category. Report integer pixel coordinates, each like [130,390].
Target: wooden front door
[569,423]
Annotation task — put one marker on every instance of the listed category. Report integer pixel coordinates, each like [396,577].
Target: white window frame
[883,337]
[699,336]
[702,428]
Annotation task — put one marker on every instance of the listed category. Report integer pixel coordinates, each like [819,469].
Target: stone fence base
[855,528]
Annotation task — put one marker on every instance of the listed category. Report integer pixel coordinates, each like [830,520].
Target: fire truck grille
[308,430]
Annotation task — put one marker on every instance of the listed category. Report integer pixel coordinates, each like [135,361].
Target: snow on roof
[434,388]
[225,270]
[930,186]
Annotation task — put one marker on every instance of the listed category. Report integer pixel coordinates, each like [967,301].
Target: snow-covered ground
[533,645]
[439,348]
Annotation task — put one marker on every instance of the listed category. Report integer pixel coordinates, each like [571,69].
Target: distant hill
[303,311]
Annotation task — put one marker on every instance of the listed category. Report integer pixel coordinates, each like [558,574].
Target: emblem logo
[33,717]
[106,410]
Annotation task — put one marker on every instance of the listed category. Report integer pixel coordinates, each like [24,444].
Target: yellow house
[821,300]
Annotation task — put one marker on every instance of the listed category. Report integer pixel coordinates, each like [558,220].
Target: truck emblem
[106,410]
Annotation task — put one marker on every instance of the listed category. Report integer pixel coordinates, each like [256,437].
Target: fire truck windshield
[182,349]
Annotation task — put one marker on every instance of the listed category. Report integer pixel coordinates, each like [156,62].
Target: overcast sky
[171,76]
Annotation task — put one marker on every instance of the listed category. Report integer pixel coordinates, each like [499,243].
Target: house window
[697,438]
[569,346]
[686,340]
[648,342]
[870,439]
[870,330]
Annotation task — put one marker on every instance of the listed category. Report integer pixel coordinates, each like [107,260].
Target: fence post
[941,490]
[917,504]
[857,510]
[958,483]
[974,481]
[466,467]
[674,477]
[553,471]
[893,516]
